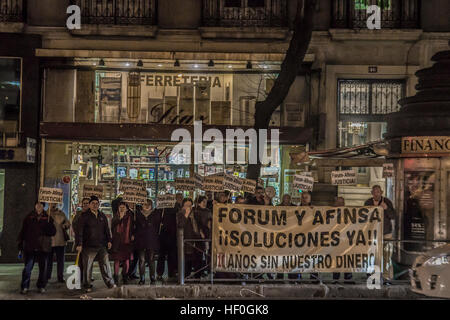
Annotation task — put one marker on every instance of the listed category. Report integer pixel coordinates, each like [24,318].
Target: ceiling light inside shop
[230,66]
[195,65]
[160,65]
[127,64]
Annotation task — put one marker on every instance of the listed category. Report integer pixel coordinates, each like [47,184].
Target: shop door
[2,201]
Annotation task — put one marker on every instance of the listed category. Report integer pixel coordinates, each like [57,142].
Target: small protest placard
[343,178]
[388,170]
[135,196]
[92,190]
[303,182]
[165,201]
[249,186]
[198,180]
[131,184]
[232,183]
[213,183]
[51,195]
[185,184]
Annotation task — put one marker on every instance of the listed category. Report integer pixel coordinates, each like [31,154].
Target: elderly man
[388,228]
[93,239]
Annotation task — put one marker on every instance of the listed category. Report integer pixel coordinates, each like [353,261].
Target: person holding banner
[146,239]
[34,241]
[122,227]
[340,202]
[93,239]
[388,221]
[186,220]
[58,242]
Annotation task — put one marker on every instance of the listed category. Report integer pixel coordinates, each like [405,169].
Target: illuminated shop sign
[174,80]
[426,145]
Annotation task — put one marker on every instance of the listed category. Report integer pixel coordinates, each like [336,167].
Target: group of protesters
[140,236]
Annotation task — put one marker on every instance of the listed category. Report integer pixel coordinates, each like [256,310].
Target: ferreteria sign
[426,145]
[270,239]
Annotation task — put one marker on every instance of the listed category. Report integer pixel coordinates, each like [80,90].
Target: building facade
[102,101]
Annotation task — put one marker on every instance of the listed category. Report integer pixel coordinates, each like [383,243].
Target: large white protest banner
[165,201]
[51,195]
[303,182]
[232,183]
[344,177]
[92,190]
[291,239]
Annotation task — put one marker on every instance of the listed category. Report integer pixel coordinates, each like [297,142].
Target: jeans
[30,258]
[89,255]
[59,251]
[146,256]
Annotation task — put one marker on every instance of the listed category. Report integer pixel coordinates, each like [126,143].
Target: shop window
[10,101]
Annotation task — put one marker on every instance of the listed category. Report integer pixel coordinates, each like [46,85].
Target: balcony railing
[11,11]
[244,13]
[395,14]
[117,12]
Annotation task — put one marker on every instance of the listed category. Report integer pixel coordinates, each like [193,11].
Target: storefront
[124,128]
[419,136]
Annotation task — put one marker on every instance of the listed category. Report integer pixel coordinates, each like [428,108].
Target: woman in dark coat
[35,242]
[186,220]
[146,239]
[204,217]
[122,237]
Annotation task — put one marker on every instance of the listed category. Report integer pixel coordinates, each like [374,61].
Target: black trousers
[59,252]
[193,263]
[134,263]
[167,248]
[146,256]
[89,256]
[29,259]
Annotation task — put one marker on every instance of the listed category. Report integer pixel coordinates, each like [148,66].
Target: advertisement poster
[418,208]
[249,238]
[110,99]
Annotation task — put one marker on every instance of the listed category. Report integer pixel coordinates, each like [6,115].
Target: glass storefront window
[10,101]
[71,165]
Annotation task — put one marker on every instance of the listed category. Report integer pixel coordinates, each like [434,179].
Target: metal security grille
[119,12]
[245,13]
[369,100]
[394,13]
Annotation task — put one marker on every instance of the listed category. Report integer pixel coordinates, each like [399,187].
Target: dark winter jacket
[93,232]
[168,223]
[122,233]
[389,214]
[146,231]
[191,229]
[203,217]
[33,228]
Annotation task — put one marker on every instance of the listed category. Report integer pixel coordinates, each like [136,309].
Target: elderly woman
[122,237]
[146,239]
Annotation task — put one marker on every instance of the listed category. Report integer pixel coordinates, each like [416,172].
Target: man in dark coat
[92,240]
[167,241]
[35,242]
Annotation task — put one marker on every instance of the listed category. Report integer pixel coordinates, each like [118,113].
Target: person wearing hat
[93,239]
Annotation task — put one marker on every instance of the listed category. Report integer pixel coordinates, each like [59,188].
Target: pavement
[10,275]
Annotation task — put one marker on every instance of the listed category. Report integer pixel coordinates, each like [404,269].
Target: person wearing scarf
[186,220]
[122,237]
